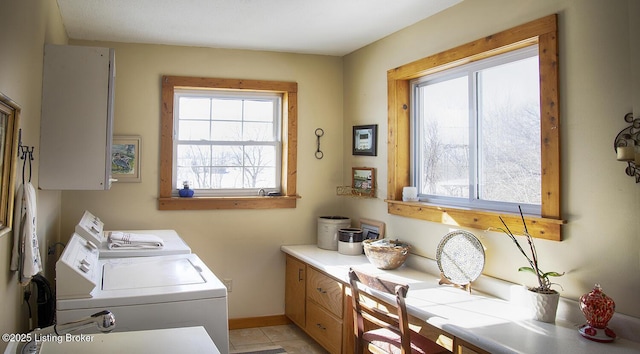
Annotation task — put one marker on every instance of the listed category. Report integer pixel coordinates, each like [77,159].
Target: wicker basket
[386,254]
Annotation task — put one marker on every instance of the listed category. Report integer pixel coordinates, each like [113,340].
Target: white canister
[410,194]
[328,227]
[350,241]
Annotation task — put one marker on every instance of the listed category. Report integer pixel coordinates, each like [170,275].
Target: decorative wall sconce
[626,145]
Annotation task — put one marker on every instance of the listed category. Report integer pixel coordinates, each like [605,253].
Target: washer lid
[153,272]
[136,281]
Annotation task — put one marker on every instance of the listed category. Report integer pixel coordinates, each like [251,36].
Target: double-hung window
[234,141]
[476,134]
[228,142]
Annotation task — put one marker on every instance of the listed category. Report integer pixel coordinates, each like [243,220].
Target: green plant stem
[533,265]
[534,253]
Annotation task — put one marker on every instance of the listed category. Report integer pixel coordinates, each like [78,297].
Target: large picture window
[477,134]
[470,171]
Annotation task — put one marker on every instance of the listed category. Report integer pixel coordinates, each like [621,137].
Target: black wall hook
[25,153]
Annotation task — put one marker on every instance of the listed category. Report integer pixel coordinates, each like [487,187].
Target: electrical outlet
[228,283]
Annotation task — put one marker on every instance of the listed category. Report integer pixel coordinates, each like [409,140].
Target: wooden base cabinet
[322,307]
[314,301]
[294,292]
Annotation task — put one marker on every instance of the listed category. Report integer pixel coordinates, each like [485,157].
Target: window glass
[445,138]
[509,121]
[477,133]
[228,142]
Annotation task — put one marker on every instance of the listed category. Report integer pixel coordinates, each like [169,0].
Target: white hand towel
[18,212]
[118,239]
[29,262]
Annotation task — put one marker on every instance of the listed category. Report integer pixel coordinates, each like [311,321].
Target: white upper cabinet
[76,129]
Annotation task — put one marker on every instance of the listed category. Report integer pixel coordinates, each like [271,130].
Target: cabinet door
[77,115]
[294,292]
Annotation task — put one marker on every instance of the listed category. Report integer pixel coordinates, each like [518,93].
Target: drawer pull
[321,291]
[319,325]
[300,270]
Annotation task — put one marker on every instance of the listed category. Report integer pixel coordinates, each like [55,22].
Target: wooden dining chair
[393,334]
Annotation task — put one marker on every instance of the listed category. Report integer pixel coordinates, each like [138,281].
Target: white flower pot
[543,306]
[539,307]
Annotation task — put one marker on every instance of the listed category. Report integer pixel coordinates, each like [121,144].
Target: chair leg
[359,349]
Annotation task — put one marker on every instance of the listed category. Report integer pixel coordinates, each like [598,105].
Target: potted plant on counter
[543,300]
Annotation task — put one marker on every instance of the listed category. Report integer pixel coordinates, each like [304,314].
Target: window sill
[212,203]
[539,227]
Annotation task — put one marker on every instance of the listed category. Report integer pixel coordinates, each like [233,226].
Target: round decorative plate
[460,257]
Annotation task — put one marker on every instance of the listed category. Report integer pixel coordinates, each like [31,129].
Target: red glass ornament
[598,308]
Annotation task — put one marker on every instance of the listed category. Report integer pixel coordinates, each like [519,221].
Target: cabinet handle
[300,270]
[321,291]
[321,326]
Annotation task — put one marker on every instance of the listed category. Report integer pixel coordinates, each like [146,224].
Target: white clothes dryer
[143,243]
[142,292]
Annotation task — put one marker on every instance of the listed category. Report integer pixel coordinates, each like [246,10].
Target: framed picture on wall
[365,140]
[125,158]
[363,181]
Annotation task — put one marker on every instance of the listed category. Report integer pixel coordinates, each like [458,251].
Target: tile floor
[289,337]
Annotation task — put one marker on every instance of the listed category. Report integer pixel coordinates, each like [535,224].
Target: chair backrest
[362,311]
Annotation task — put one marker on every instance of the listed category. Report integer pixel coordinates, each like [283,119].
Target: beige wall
[25,27]
[602,238]
[242,245]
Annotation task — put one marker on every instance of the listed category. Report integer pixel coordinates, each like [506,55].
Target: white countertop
[172,340]
[159,341]
[488,322]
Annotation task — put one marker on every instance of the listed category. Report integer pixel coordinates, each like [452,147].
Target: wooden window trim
[289,90]
[543,32]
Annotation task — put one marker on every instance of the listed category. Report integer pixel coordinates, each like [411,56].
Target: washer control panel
[77,270]
[91,228]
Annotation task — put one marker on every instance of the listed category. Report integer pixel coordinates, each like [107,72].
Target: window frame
[275,142]
[9,162]
[544,33]
[288,197]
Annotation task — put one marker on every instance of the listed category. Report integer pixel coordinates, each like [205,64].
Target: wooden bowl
[386,254]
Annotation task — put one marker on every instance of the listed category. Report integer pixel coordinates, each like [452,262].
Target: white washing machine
[91,228]
[142,292]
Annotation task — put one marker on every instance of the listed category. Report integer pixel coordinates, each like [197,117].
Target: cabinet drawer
[325,291]
[324,327]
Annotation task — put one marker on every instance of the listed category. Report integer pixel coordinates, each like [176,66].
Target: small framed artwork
[125,158]
[363,181]
[371,229]
[365,138]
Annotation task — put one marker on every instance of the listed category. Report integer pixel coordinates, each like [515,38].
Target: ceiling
[328,27]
